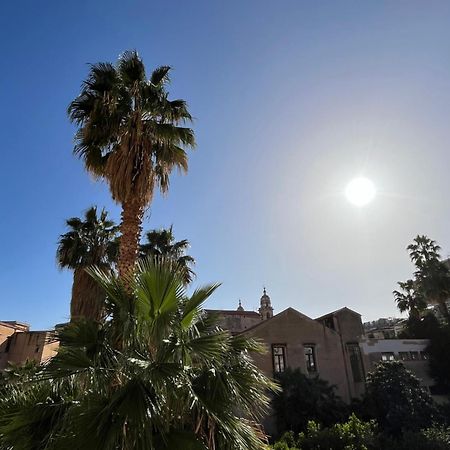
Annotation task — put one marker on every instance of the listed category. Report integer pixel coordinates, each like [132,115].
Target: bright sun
[360,191]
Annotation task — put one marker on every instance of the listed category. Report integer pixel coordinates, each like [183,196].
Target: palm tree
[89,241]
[162,243]
[410,299]
[432,275]
[131,135]
[155,373]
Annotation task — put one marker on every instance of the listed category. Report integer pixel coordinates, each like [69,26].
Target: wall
[373,350]
[31,345]
[236,321]
[293,330]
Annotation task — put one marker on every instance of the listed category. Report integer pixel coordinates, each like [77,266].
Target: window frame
[283,359]
[308,357]
[356,362]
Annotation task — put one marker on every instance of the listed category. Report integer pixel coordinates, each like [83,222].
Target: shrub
[396,400]
[303,399]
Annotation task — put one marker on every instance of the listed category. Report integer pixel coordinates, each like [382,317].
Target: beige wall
[349,326]
[30,345]
[236,321]
[294,330]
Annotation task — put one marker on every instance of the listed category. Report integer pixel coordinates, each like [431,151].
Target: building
[326,346]
[384,328]
[336,346]
[18,344]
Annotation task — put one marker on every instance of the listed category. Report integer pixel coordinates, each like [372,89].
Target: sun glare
[360,191]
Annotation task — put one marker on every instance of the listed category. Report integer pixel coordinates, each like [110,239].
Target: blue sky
[292,99]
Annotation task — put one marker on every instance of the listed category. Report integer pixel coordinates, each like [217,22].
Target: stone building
[333,346]
[18,344]
[327,346]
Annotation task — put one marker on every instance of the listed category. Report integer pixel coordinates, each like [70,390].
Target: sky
[291,99]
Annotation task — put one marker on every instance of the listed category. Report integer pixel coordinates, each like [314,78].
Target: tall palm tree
[155,374]
[131,135]
[410,299]
[89,241]
[162,243]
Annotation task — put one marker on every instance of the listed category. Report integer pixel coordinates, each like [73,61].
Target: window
[404,356]
[414,356]
[279,358]
[310,359]
[387,356]
[329,322]
[355,362]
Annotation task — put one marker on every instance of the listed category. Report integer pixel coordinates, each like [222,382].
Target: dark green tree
[303,399]
[155,373]
[431,275]
[395,398]
[438,358]
[162,243]
[89,241]
[132,136]
[410,299]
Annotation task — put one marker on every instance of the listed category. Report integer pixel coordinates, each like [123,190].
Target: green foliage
[359,435]
[438,357]
[129,132]
[162,243]
[428,327]
[424,327]
[351,435]
[395,398]
[431,283]
[155,373]
[89,241]
[303,399]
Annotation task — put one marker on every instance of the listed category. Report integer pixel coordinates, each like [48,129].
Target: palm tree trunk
[130,229]
[87,296]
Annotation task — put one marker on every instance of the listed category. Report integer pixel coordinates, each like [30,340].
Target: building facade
[18,344]
[334,346]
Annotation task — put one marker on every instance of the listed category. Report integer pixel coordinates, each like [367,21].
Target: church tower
[265,310]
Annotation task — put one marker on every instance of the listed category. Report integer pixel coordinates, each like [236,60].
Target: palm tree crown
[432,275]
[410,299]
[155,373]
[89,241]
[131,135]
[162,243]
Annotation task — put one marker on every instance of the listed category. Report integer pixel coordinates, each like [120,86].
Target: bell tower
[265,310]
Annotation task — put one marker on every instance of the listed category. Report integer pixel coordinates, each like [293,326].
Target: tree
[410,299]
[432,276]
[162,243]
[155,373]
[438,358]
[131,135]
[89,241]
[303,399]
[396,400]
